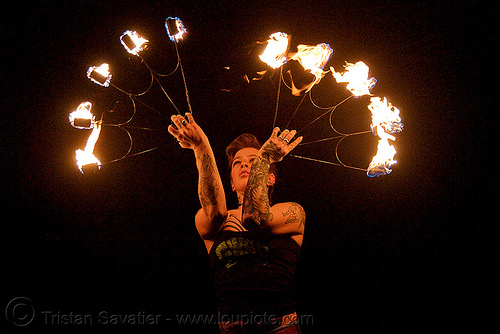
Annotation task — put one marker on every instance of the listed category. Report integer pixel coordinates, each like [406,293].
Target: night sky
[409,251]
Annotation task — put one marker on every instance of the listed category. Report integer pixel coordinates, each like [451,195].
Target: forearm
[256,210]
[210,188]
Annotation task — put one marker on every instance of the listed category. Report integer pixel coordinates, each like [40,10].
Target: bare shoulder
[203,224]
[289,213]
[207,227]
[288,218]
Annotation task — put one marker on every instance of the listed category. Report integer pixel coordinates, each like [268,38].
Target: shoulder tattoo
[295,215]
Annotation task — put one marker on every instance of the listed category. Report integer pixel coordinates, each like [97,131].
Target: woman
[254,248]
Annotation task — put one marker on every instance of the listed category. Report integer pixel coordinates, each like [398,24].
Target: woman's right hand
[187,132]
[276,147]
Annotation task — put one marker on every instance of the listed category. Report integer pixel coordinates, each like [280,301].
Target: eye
[237,162]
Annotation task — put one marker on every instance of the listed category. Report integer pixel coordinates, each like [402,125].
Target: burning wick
[175,29]
[86,158]
[356,76]
[132,42]
[275,52]
[82,118]
[385,115]
[99,74]
[384,159]
[385,122]
[313,59]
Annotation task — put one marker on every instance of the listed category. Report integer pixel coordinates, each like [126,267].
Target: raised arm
[210,189]
[256,209]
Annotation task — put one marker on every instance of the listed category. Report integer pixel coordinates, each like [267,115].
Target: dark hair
[243,141]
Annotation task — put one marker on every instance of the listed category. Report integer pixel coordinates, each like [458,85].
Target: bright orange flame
[132,42]
[385,115]
[385,122]
[384,159]
[82,118]
[175,29]
[275,52]
[313,58]
[103,76]
[356,75]
[87,157]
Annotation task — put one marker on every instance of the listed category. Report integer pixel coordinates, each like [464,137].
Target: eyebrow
[239,157]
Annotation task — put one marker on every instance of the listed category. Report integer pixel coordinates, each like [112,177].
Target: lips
[244,173]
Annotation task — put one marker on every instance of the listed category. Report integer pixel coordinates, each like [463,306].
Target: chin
[241,186]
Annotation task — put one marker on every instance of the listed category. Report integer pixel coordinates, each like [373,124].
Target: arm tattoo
[294,215]
[256,200]
[271,152]
[208,190]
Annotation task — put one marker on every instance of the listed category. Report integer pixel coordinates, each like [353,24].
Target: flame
[275,52]
[384,159]
[132,42]
[385,122]
[82,118]
[385,115]
[175,29]
[313,58]
[356,75]
[100,74]
[87,157]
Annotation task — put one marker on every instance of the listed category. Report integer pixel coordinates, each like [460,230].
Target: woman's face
[240,169]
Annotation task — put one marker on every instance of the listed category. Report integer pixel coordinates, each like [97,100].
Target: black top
[254,275]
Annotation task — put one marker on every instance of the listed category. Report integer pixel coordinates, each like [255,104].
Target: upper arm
[287,218]
[205,226]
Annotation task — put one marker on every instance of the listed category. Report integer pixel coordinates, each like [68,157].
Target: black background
[409,251]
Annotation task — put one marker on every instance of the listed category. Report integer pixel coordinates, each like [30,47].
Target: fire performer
[254,248]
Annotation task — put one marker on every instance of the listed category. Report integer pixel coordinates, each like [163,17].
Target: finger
[173,131]
[178,121]
[295,143]
[275,132]
[289,136]
[283,135]
[182,120]
[190,118]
